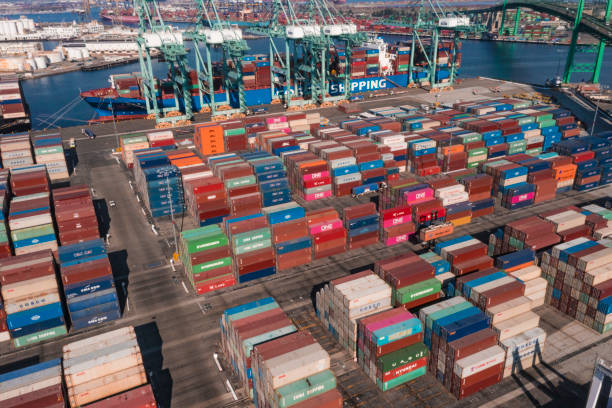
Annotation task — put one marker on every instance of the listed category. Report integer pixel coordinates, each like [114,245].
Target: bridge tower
[601,48]
[570,67]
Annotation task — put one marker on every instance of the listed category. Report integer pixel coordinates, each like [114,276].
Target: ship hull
[130,108]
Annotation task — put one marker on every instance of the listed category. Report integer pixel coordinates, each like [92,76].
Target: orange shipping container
[458,148]
[209,138]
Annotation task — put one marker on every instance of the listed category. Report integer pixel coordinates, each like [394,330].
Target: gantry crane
[430,20]
[154,34]
[213,33]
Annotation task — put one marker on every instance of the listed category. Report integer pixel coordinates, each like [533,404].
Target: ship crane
[431,19]
[213,33]
[153,34]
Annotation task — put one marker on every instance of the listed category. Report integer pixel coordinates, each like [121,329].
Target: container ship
[374,66]
[14,111]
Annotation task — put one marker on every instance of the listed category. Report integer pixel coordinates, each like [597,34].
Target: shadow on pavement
[121,272]
[150,343]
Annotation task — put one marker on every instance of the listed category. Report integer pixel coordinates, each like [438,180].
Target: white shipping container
[29,302]
[51,157]
[37,384]
[599,275]
[16,145]
[528,273]
[163,135]
[106,386]
[19,290]
[515,325]
[91,344]
[477,290]
[5,336]
[32,221]
[15,154]
[595,260]
[129,360]
[479,361]
[509,309]
[523,341]
[89,359]
[536,285]
[537,299]
[290,367]
[446,191]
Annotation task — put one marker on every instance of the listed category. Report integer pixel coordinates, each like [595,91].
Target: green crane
[213,33]
[153,34]
[430,20]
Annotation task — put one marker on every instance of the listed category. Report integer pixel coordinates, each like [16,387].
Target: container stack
[208,138]
[465,254]
[390,348]
[293,371]
[271,178]
[159,183]
[206,200]
[411,279]
[29,180]
[163,140]
[564,172]
[75,215]
[395,225]
[15,150]
[343,301]
[206,255]
[422,154]
[292,242]
[569,223]
[361,224]
[31,298]
[89,285]
[49,150]
[464,355]
[131,143]
[31,224]
[587,263]
[306,172]
[102,366]
[5,245]
[456,202]
[531,232]
[327,232]
[247,325]
[251,243]
[38,385]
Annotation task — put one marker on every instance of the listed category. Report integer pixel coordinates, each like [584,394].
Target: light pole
[595,117]
[171,213]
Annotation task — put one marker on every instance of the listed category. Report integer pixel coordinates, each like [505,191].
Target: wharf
[179,332]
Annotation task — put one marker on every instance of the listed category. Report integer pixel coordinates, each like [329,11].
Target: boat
[374,66]
[126,16]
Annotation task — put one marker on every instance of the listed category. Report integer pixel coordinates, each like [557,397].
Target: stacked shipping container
[15,150]
[75,215]
[31,224]
[38,385]
[31,298]
[89,285]
[49,150]
[206,255]
[101,366]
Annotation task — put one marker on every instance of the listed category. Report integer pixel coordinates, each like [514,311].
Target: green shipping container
[305,388]
[477,152]
[401,357]
[418,290]
[240,181]
[234,132]
[525,120]
[254,246]
[32,232]
[40,336]
[471,137]
[250,236]
[534,152]
[48,150]
[135,139]
[402,379]
[3,236]
[217,263]
[472,165]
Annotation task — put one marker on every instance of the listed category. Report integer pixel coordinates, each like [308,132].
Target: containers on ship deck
[75,215]
[101,366]
[207,258]
[38,385]
[89,285]
[31,298]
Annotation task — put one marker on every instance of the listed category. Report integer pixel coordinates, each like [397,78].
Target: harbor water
[54,100]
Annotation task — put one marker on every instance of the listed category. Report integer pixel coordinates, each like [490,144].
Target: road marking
[231,389]
[137,198]
[127,304]
[217,362]
[143,211]
[172,265]
[185,287]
